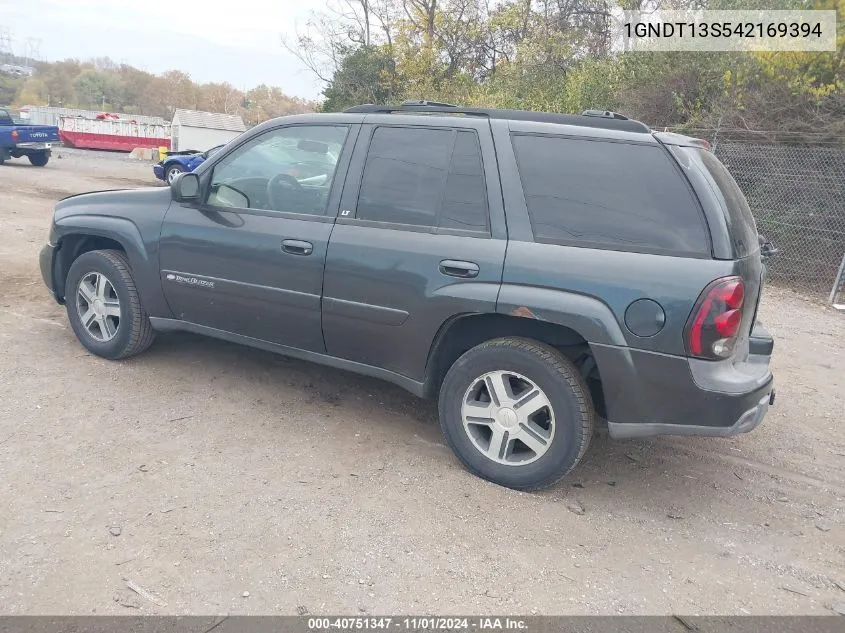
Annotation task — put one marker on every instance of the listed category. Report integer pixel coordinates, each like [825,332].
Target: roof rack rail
[411,106]
[607,114]
[590,118]
[434,104]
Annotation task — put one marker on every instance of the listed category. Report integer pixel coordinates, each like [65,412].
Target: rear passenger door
[420,238]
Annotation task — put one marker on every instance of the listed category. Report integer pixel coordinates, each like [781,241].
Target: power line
[6,43]
[33,49]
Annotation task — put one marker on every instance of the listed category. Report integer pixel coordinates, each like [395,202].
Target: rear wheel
[516,412]
[172,171]
[40,159]
[104,308]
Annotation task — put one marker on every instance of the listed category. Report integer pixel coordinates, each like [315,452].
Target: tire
[564,427]
[131,332]
[171,172]
[39,160]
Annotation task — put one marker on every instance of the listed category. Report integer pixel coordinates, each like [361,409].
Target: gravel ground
[221,479]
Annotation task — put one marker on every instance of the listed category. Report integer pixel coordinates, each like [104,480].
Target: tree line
[102,84]
[557,55]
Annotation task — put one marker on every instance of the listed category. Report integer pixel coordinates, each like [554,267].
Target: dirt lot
[228,480]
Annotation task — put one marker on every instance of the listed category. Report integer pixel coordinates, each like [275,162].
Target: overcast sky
[213,40]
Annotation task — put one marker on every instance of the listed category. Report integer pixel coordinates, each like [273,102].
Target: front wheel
[516,412]
[172,171]
[104,308]
[40,159]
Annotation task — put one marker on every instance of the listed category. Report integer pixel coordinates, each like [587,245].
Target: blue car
[179,162]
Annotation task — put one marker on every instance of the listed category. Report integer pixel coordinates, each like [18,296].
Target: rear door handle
[297,247]
[456,268]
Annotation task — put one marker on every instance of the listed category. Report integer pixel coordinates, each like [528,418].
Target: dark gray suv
[532,271]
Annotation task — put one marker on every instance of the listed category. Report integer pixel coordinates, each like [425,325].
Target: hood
[113,202]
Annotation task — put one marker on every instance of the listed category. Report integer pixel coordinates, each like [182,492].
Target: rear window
[740,220]
[602,194]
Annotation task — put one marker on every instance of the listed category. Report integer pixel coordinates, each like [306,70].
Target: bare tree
[422,14]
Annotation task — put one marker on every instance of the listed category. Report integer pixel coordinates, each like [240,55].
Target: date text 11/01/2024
[417,624]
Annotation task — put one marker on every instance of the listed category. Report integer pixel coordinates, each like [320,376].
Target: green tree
[59,80]
[90,86]
[366,75]
[33,92]
[10,88]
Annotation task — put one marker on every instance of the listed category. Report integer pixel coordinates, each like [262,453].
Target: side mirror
[226,196]
[767,249]
[185,188]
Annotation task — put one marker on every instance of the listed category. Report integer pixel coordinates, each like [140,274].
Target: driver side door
[249,258]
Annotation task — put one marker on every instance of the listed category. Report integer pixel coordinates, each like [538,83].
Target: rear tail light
[15,135]
[716,320]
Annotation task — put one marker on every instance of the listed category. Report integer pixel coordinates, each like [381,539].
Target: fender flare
[127,234]
[596,323]
[588,316]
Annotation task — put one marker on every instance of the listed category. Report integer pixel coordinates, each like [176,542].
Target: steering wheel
[278,185]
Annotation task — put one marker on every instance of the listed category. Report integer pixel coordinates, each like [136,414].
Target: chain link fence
[797,195]
[796,191]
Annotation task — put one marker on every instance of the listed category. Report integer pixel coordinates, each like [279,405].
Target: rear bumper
[34,147]
[746,422]
[158,171]
[648,394]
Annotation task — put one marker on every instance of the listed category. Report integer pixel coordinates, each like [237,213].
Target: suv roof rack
[607,114]
[435,104]
[590,118]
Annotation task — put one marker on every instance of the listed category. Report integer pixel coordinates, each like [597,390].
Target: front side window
[289,169]
[424,177]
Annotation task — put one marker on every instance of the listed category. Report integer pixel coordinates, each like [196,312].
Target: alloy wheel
[98,306]
[508,418]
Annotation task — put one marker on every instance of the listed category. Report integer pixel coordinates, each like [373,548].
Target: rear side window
[424,177]
[603,194]
[740,220]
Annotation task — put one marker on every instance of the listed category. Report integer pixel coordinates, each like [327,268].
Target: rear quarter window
[740,221]
[605,194]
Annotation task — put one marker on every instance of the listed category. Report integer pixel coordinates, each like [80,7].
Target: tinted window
[608,195]
[740,220]
[288,169]
[424,177]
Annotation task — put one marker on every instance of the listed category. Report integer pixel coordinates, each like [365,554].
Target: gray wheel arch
[77,234]
[588,316]
[557,318]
